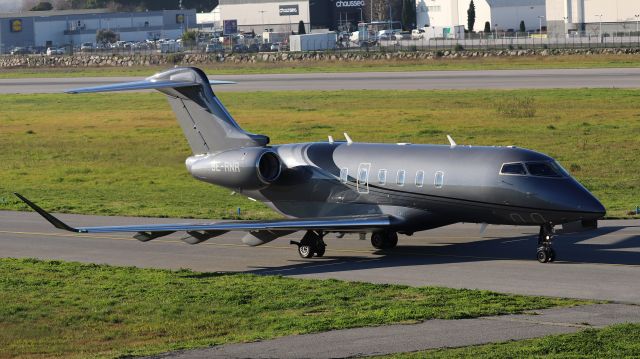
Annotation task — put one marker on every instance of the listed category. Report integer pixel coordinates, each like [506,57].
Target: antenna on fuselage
[451,141]
[330,139]
[349,141]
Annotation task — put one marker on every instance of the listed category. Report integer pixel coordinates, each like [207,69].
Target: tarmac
[417,80]
[603,264]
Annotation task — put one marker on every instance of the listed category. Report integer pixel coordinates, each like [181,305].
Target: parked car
[213,48]
[265,47]
[254,48]
[384,34]
[401,35]
[19,51]
[240,48]
[86,47]
[417,34]
[54,51]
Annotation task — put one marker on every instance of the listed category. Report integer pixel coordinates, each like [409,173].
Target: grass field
[84,310]
[618,341]
[489,63]
[124,153]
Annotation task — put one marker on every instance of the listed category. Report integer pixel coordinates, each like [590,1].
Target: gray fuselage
[422,186]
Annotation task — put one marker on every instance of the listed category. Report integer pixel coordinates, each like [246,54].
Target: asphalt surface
[602,264]
[426,335]
[420,80]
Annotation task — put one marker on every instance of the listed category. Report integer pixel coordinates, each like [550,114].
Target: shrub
[458,47]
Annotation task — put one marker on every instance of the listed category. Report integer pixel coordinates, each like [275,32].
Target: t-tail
[206,123]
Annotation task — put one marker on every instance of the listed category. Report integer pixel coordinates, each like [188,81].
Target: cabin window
[439,179]
[363,175]
[542,169]
[513,169]
[344,175]
[382,177]
[400,178]
[419,178]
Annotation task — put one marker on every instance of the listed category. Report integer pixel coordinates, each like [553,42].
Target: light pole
[262,14]
[600,26]
[637,18]
[361,18]
[540,24]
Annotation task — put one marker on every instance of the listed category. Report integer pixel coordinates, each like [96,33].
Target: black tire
[378,240]
[305,251]
[392,240]
[320,250]
[542,255]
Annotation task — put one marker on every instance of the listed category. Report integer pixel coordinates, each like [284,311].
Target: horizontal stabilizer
[143,85]
[342,224]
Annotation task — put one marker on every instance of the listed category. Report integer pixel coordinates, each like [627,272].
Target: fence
[486,43]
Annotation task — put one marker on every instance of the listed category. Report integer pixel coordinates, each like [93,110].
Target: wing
[151,231]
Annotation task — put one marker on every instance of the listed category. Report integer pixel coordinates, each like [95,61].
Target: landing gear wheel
[311,244]
[305,251]
[545,251]
[384,240]
[542,255]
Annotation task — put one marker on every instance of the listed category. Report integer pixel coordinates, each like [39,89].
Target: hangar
[69,27]
[591,17]
[501,14]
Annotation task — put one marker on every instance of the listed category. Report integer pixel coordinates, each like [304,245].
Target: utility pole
[540,24]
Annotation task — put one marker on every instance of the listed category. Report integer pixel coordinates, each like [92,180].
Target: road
[603,264]
[420,80]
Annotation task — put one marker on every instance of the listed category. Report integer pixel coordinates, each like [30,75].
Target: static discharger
[349,141]
[451,141]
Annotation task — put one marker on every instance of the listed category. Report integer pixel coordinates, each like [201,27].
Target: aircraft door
[362,182]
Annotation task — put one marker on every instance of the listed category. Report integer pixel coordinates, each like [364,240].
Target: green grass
[52,308]
[482,63]
[123,154]
[618,341]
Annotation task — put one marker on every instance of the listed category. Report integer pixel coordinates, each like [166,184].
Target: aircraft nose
[589,204]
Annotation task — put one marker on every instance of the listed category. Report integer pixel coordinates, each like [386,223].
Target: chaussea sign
[287,10]
[350,3]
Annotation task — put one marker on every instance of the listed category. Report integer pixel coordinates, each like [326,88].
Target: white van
[417,34]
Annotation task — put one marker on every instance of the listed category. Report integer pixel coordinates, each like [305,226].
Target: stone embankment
[131,60]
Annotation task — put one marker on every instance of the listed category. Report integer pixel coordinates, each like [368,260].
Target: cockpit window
[543,169]
[513,169]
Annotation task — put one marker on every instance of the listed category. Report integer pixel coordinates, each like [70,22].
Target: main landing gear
[311,244]
[545,250]
[384,239]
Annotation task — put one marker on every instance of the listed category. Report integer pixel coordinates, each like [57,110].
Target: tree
[301,28]
[487,27]
[189,38]
[522,27]
[42,6]
[471,16]
[408,14]
[104,36]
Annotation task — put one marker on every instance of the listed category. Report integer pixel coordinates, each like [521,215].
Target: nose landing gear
[311,244]
[545,250]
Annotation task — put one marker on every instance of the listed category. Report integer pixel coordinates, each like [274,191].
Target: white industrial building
[591,17]
[503,15]
[265,15]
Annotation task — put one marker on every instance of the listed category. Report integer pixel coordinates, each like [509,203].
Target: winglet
[53,220]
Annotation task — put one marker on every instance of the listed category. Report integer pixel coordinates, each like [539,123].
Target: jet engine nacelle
[248,168]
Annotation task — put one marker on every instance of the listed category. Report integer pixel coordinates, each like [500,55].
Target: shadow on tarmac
[584,247]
